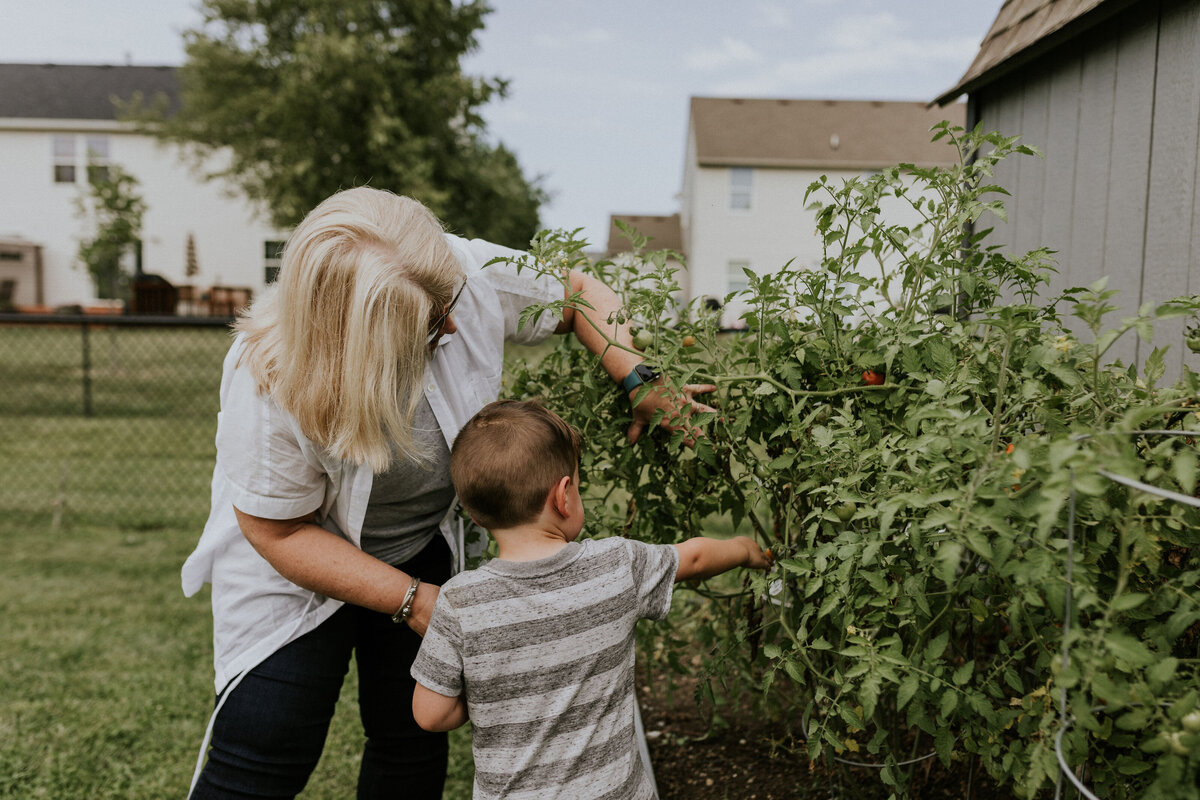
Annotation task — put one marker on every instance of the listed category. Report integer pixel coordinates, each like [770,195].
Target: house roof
[822,134]
[74,91]
[1023,30]
[664,232]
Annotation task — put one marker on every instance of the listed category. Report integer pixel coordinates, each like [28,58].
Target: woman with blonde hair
[333,519]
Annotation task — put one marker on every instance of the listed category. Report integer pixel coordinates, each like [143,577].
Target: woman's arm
[312,557]
[583,322]
[436,712]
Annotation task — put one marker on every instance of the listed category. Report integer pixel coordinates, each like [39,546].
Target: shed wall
[1117,114]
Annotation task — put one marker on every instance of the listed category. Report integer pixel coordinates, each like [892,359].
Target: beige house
[748,164]
[1109,91]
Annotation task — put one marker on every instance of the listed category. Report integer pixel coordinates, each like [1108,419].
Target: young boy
[536,646]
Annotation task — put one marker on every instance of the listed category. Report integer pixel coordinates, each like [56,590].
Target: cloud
[572,39]
[728,53]
[596,36]
[860,53]
[772,16]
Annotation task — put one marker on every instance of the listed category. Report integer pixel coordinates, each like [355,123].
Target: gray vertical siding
[1031,172]
[1117,114]
[1060,144]
[1083,263]
[1004,115]
[1171,201]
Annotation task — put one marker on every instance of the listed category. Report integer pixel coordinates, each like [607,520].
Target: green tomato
[1191,722]
[1172,739]
[845,511]
[643,339]
[1193,342]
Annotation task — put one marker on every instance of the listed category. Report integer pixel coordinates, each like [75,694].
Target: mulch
[756,759]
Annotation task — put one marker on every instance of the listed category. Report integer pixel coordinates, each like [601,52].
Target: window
[64,159]
[735,275]
[272,256]
[741,182]
[97,157]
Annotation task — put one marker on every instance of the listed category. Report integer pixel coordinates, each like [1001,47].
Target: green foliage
[113,209]
[315,96]
[930,532]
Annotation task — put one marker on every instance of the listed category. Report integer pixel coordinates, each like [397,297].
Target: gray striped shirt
[544,652]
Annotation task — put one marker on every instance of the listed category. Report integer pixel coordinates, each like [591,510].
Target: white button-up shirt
[267,468]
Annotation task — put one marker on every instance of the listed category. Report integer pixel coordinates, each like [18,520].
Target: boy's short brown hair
[507,458]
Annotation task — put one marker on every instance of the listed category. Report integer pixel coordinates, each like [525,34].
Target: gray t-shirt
[409,500]
[544,651]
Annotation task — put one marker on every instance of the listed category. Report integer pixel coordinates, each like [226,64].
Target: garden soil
[748,760]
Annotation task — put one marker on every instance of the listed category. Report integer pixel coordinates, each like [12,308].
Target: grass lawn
[106,671]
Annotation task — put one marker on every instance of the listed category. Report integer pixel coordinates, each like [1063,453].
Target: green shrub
[944,530]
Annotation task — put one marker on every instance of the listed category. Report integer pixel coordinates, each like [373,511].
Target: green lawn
[105,667]
[106,671]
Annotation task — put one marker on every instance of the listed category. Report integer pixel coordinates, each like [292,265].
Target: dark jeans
[269,734]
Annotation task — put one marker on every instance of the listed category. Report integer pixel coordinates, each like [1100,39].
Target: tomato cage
[1066,720]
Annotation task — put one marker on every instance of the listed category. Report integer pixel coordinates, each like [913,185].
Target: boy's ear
[558,498]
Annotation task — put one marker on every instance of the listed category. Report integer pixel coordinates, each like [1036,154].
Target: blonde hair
[341,342]
[508,457]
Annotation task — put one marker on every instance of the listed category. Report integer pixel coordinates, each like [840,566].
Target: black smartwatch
[642,373]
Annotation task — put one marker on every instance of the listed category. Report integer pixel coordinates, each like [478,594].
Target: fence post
[87,369]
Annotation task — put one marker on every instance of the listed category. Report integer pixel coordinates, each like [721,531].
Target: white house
[749,162]
[55,121]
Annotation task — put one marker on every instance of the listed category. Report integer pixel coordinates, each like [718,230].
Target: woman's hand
[422,607]
[593,324]
[676,408]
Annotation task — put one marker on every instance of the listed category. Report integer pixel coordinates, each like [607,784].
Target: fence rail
[108,419]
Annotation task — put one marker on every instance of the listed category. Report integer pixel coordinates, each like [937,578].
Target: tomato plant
[928,576]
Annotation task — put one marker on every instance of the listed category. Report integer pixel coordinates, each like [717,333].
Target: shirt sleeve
[654,568]
[261,456]
[517,287]
[438,665]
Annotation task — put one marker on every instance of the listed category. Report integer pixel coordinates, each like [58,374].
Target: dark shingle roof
[1023,30]
[819,134]
[664,232]
[72,91]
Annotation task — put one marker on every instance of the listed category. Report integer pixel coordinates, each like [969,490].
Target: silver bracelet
[405,610]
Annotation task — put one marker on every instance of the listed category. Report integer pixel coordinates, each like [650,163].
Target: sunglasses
[435,327]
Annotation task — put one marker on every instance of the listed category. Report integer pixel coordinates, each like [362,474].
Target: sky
[599,89]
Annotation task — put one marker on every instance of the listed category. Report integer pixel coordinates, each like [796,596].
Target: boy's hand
[756,557]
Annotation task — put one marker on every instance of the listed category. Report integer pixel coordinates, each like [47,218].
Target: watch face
[646,373]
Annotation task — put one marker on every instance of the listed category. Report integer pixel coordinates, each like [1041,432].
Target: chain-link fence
[108,420]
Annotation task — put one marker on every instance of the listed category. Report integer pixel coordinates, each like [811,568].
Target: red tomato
[872,378]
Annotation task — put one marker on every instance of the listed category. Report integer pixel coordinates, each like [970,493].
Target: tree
[113,209]
[191,262]
[313,96]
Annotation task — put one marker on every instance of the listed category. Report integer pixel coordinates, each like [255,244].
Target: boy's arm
[436,712]
[703,557]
